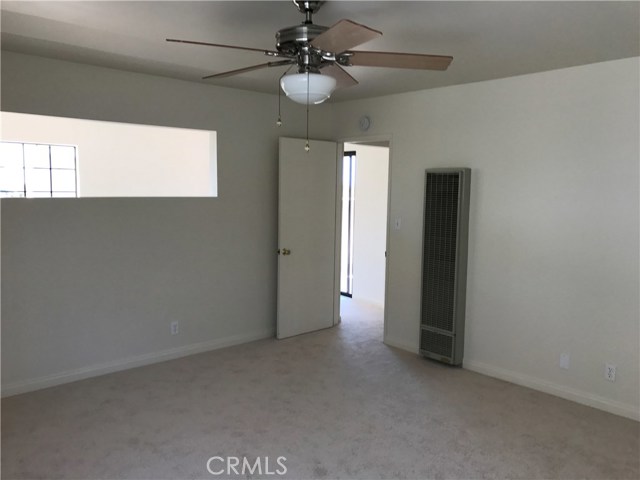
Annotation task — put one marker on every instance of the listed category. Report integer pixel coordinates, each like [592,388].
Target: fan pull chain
[279,121]
[306,147]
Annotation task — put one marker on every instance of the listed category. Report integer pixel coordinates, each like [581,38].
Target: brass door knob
[286,251]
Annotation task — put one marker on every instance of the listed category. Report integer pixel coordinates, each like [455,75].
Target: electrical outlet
[564,361]
[610,372]
[174,328]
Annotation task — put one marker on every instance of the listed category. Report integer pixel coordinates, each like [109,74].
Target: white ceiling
[488,40]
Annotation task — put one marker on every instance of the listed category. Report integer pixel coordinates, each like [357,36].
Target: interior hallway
[337,403]
[362,318]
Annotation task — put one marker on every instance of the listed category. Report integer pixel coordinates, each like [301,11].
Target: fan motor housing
[290,40]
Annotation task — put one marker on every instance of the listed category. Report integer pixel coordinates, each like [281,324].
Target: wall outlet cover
[610,372]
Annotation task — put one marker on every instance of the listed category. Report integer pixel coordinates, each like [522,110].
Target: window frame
[26,192]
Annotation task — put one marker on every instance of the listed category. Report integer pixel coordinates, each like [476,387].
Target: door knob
[286,251]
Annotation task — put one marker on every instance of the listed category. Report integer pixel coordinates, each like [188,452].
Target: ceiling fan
[316,48]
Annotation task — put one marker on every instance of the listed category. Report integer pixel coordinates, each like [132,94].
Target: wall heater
[444,264]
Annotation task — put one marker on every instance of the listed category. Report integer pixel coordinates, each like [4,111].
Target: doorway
[365,186]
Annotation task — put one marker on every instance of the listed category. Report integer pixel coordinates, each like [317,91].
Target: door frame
[338,248]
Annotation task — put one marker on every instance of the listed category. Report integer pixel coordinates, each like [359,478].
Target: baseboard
[611,406]
[131,362]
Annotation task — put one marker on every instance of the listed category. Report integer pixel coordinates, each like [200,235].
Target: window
[348,217]
[37,170]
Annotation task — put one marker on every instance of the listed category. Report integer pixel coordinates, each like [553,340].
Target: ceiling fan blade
[343,79]
[344,35]
[399,60]
[271,53]
[249,69]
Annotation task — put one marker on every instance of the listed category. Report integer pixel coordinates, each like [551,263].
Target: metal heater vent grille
[437,343]
[446,217]
[441,220]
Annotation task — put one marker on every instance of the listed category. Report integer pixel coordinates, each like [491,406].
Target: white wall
[554,243]
[125,160]
[553,260]
[90,285]
[370,224]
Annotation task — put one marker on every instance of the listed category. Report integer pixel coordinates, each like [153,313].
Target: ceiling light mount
[308,8]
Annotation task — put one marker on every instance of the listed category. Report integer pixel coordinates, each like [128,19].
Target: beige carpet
[336,403]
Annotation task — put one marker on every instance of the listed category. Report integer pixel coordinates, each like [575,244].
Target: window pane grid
[37,170]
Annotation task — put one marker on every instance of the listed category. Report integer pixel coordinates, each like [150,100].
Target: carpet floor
[337,403]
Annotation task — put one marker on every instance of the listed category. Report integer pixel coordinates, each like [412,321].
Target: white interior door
[307,273]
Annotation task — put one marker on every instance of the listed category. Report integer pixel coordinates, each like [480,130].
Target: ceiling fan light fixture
[313,87]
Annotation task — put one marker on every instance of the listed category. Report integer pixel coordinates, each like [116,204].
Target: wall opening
[120,159]
[368,212]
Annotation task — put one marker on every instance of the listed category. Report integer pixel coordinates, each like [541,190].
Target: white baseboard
[611,406]
[68,376]
[578,396]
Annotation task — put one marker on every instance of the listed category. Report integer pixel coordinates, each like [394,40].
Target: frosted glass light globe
[319,89]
